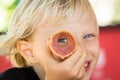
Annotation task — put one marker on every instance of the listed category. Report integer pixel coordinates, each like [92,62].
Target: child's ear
[25,49]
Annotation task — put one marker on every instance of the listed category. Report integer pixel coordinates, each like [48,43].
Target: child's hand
[70,69]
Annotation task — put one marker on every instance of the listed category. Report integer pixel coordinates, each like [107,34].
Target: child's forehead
[86,23]
[81,20]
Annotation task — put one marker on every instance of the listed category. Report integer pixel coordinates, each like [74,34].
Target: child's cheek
[93,47]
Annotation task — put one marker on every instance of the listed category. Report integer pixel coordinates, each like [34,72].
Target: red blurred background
[108,63]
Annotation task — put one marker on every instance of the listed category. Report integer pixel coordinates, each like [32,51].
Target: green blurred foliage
[8,9]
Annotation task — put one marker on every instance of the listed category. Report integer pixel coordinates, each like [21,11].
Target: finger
[73,59]
[81,62]
[79,67]
[81,73]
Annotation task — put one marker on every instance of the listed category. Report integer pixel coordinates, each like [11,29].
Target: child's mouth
[87,65]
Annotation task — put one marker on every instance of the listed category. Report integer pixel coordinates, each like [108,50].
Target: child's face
[85,32]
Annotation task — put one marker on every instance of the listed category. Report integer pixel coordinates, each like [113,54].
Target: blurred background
[108,16]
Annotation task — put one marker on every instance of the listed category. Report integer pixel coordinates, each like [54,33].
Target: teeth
[86,64]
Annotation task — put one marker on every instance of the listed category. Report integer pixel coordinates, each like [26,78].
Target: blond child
[26,41]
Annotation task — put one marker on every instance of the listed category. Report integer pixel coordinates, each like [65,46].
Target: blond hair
[32,13]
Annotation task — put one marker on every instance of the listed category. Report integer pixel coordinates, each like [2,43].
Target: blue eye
[62,41]
[87,36]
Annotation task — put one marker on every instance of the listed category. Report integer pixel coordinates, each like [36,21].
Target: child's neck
[39,71]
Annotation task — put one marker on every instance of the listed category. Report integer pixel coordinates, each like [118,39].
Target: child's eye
[62,41]
[87,36]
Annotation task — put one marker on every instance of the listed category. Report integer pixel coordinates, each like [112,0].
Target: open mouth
[87,66]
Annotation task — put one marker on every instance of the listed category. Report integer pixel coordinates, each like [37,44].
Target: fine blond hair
[32,13]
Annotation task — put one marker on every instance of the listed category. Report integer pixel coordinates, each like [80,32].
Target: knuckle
[72,74]
[81,75]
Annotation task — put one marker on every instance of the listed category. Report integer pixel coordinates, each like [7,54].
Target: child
[26,41]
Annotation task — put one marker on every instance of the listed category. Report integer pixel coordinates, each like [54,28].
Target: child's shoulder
[19,74]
